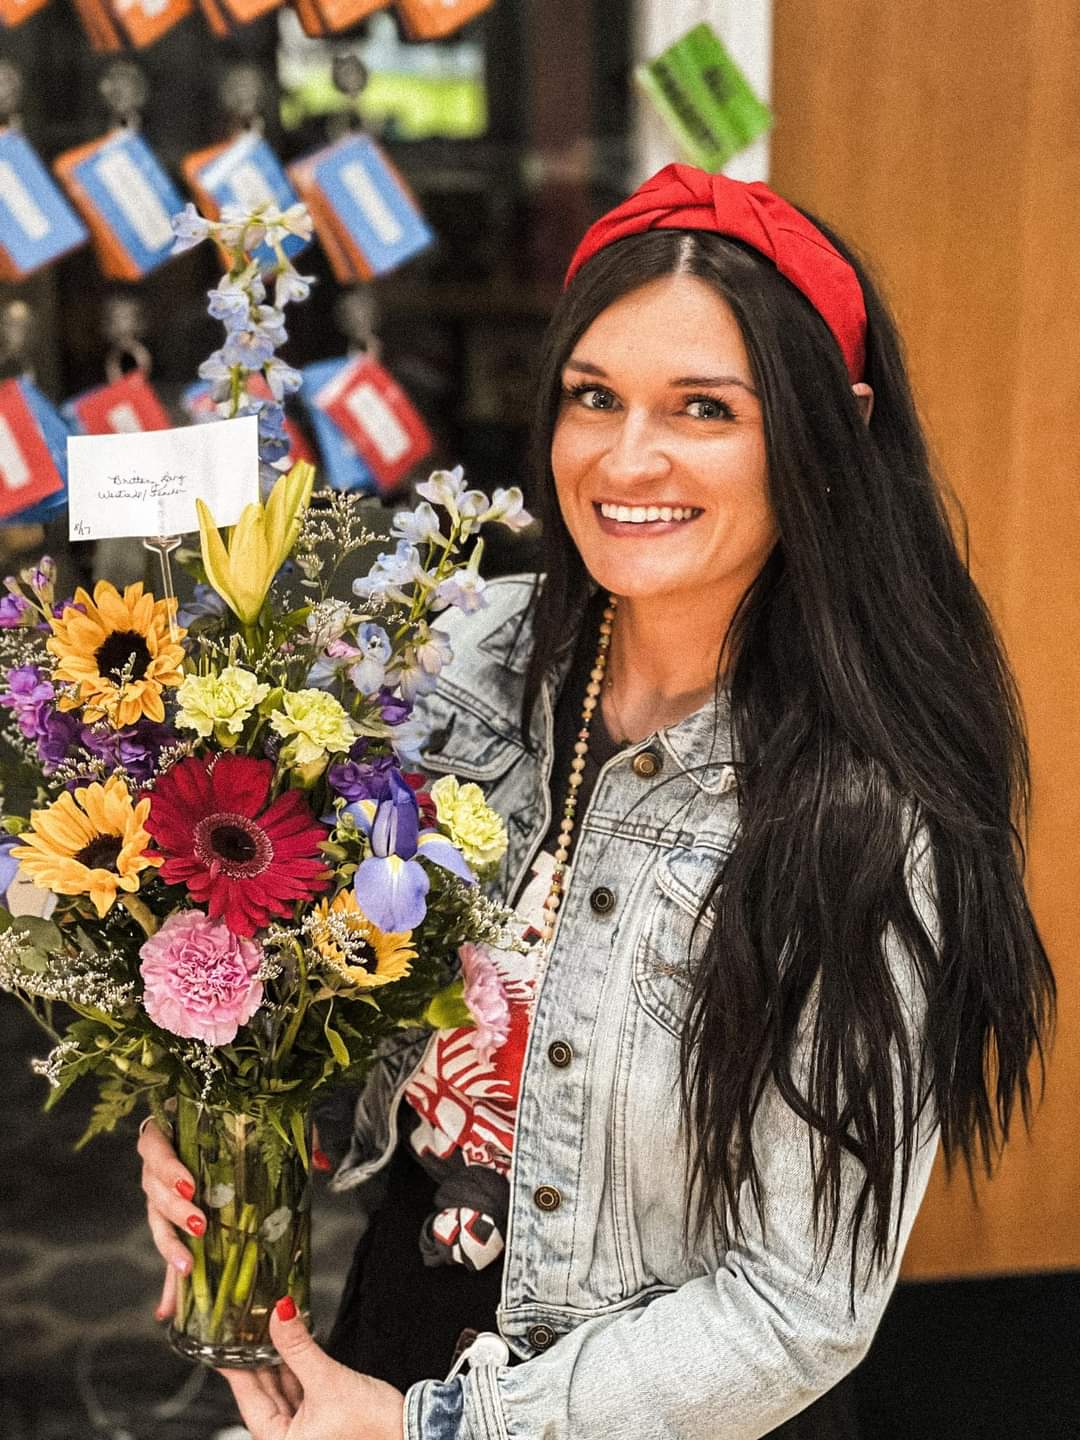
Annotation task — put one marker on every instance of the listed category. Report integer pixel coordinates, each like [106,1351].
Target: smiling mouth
[648,514]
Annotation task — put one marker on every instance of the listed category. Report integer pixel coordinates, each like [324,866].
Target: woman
[786,761]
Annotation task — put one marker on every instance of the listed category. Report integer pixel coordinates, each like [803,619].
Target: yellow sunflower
[90,843]
[118,651]
[356,948]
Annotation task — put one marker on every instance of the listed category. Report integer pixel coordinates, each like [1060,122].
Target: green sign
[705,98]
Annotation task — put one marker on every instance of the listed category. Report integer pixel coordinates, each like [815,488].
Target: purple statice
[13,610]
[29,697]
[134,749]
[59,732]
[359,779]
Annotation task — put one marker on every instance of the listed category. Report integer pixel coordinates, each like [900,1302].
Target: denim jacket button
[560,1054]
[602,900]
[540,1337]
[547,1197]
[646,764]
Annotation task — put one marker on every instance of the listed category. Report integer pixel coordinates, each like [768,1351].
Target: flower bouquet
[234,884]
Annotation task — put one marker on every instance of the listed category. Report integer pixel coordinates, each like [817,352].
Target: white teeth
[642,514]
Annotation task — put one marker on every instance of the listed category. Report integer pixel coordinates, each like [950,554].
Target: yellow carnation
[220,703]
[314,723]
[470,822]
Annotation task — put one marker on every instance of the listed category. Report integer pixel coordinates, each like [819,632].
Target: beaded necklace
[577,766]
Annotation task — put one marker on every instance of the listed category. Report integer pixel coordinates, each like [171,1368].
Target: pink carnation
[485,995]
[200,978]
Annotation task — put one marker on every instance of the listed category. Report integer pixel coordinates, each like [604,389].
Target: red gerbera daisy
[243,862]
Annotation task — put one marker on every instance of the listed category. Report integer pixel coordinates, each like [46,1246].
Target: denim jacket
[628,1330]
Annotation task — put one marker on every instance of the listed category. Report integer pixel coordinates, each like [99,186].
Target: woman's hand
[310,1396]
[170,1192]
[170,1189]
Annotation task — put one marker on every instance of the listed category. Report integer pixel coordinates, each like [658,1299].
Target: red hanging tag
[124,406]
[373,412]
[27,471]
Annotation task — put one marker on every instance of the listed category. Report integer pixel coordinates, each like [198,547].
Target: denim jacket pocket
[674,936]
[463,741]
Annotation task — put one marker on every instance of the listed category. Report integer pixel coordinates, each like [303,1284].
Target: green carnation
[466,817]
[314,723]
[219,703]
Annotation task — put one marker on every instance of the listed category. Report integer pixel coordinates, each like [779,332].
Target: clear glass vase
[257,1245]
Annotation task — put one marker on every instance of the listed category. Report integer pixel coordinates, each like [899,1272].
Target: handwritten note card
[147,484]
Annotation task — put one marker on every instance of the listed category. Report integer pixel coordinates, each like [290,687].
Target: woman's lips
[628,521]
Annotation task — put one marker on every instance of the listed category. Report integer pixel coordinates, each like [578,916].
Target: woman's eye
[592,397]
[703,407]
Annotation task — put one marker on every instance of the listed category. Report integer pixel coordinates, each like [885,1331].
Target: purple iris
[12,610]
[391,884]
[9,866]
[134,749]
[29,696]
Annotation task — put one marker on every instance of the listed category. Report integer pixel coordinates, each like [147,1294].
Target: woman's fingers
[166,1306]
[175,1207]
[294,1391]
[263,1415]
[168,1244]
[270,1378]
[161,1162]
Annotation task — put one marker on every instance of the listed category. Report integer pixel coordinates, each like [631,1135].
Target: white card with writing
[147,483]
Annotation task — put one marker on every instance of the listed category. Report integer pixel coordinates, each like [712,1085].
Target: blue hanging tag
[33,454]
[132,196]
[360,195]
[247,173]
[342,464]
[37,225]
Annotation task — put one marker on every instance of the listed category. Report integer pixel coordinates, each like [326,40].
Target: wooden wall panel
[944,140]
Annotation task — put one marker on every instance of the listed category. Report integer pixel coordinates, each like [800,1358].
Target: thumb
[294,1343]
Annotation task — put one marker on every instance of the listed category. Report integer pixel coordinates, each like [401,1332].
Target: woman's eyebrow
[683,382]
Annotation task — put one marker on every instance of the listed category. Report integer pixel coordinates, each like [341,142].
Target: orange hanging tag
[341,14]
[435,19]
[144,21]
[14,12]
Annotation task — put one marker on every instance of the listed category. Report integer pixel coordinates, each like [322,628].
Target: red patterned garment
[466,1097]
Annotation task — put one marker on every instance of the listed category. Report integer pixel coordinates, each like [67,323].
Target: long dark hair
[873,716]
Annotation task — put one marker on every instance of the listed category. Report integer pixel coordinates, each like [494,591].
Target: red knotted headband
[681,197]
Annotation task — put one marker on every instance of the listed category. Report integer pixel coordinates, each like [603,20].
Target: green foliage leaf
[296,1124]
[338,1048]
[447,1010]
[114,1106]
[272,1147]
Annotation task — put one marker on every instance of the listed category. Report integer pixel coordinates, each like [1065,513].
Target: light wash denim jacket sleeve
[628,1330]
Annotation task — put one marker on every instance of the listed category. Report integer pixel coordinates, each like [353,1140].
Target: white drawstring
[487,1349]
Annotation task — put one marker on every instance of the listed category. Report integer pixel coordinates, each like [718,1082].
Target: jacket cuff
[465,1409]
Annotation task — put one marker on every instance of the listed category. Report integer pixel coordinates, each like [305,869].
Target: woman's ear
[865,396]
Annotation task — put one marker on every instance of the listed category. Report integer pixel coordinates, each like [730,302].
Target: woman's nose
[636,451]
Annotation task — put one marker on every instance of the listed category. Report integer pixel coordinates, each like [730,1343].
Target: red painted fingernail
[159,1316]
[185,1189]
[286,1308]
[320,1159]
[196,1224]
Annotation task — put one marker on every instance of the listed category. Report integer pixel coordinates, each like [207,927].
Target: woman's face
[659,452]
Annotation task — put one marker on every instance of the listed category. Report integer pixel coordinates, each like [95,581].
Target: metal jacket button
[540,1337]
[560,1054]
[602,900]
[547,1197]
[646,764]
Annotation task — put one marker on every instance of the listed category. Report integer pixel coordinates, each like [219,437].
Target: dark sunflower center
[124,651]
[363,956]
[233,843]
[101,853]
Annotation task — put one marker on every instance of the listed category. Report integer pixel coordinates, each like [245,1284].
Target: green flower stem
[141,913]
[231,1267]
[200,1285]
